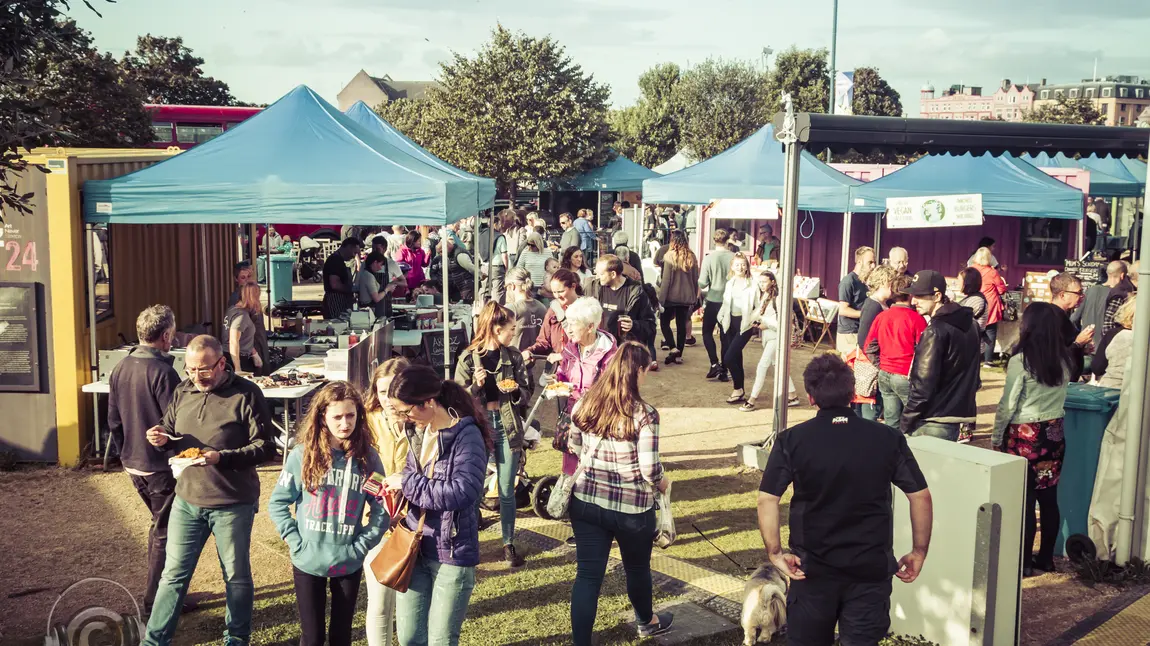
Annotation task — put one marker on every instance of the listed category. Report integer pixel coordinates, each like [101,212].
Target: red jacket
[892,339]
[993,287]
[552,337]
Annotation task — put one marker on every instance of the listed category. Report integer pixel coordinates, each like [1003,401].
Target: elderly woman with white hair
[620,241]
[1109,363]
[583,358]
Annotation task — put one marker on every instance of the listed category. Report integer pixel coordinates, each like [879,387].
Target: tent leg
[446,312]
[93,352]
[268,272]
[847,244]
[786,281]
[877,232]
[204,300]
[1080,239]
[475,262]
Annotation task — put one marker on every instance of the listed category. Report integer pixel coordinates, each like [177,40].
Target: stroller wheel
[490,504]
[541,494]
[1080,548]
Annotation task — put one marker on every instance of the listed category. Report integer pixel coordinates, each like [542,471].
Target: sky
[264,48]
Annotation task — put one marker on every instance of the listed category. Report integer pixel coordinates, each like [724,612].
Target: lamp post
[834,43]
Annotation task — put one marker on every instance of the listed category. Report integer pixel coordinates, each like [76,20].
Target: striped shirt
[621,475]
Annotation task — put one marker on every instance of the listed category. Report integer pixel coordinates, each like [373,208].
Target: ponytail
[418,384]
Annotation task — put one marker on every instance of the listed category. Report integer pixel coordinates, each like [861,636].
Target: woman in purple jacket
[444,479]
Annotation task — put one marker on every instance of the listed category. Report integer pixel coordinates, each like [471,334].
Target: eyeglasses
[1079,294]
[203,372]
[404,412]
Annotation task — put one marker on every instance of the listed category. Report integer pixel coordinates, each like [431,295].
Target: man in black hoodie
[140,389]
[627,311]
[227,419]
[944,377]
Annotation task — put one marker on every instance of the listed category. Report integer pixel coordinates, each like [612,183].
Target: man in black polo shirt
[338,291]
[841,516]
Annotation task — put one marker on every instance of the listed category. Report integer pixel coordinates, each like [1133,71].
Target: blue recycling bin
[1088,411]
[282,273]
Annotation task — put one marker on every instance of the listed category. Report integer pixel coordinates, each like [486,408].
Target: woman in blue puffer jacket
[444,479]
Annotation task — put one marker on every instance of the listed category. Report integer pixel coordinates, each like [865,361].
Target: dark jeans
[895,391]
[311,600]
[710,320]
[157,491]
[681,314]
[861,610]
[1047,502]
[595,528]
[990,336]
[733,353]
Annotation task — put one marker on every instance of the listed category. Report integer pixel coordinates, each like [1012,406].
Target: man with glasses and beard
[226,419]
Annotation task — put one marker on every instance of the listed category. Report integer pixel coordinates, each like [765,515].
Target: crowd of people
[910,354]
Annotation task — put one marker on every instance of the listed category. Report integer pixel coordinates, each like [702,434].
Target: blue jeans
[989,337]
[431,612]
[595,529]
[939,430]
[188,529]
[506,468]
[894,391]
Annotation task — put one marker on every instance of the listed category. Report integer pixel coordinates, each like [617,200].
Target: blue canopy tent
[753,169]
[1136,167]
[619,174]
[370,120]
[1009,186]
[299,161]
[1109,177]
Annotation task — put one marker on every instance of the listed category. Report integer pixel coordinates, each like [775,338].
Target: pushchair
[529,492]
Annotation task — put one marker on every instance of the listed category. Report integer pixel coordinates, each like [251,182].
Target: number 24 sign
[17,260]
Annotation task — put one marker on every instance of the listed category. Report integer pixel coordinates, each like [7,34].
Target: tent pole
[93,352]
[786,277]
[1133,468]
[1080,239]
[475,261]
[847,244]
[877,232]
[204,300]
[446,311]
[268,272]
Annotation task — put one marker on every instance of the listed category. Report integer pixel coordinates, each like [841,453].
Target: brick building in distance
[379,90]
[967,102]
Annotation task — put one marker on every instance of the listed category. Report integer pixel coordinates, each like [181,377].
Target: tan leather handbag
[395,562]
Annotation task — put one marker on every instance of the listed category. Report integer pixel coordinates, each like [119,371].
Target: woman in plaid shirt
[615,434]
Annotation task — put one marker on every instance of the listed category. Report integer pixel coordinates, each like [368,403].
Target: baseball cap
[926,283]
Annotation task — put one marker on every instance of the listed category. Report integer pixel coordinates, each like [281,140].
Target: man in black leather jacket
[945,374]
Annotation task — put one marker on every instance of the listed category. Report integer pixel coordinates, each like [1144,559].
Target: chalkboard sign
[606,207]
[1090,272]
[19,338]
[433,347]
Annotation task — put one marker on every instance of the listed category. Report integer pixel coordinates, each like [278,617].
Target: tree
[520,110]
[97,105]
[803,74]
[874,96]
[1063,110]
[169,73]
[648,132]
[720,103]
[407,115]
[26,28]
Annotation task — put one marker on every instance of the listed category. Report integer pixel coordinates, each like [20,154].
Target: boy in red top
[890,345]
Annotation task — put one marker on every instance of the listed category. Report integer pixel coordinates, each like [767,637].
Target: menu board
[19,338]
[606,208]
[433,347]
[1090,272]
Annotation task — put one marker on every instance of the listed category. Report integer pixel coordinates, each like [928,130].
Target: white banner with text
[934,211]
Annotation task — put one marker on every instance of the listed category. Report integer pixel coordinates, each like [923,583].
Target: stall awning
[676,163]
[369,119]
[1009,186]
[299,161]
[753,169]
[619,174]
[1109,177]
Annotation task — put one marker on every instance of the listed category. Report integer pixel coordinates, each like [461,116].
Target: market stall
[298,161]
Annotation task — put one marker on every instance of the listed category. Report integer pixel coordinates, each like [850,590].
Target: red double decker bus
[188,125]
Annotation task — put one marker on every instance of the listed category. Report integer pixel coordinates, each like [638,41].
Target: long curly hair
[608,408]
[317,442]
[683,257]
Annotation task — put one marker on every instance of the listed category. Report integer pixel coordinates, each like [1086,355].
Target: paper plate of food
[187,458]
[558,389]
[507,385]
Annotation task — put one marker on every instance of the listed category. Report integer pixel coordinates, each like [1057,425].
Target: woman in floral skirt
[1029,424]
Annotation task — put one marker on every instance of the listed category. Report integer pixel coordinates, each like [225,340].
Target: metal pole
[1132,465]
[847,244]
[268,271]
[476,261]
[1080,239]
[93,352]
[446,311]
[877,232]
[834,47]
[204,300]
[786,281]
